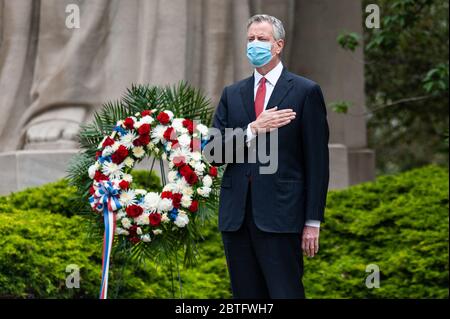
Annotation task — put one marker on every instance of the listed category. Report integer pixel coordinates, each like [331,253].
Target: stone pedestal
[28,168]
[350,166]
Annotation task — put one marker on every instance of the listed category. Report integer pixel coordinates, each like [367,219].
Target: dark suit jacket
[297,192]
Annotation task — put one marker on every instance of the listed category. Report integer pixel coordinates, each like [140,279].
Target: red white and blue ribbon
[105,199]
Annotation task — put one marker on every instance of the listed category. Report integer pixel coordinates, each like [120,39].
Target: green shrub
[399,222]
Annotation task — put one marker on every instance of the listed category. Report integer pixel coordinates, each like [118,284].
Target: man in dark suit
[266,220]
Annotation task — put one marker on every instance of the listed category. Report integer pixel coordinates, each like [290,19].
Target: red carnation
[144,129]
[146,112]
[108,142]
[134,211]
[132,231]
[189,124]
[163,118]
[142,140]
[124,185]
[194,206]
[119,155]
[98,154]
[192,178]
[185,170]
[129,123]
[213,171]
[100,177]
[155,219]
[176,200]
[167,194]
[91,190]
[169,134]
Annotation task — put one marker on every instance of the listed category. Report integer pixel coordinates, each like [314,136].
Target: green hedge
[399,222]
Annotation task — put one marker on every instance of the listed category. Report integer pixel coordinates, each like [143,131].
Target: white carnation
[181,220]
[188,191]
[164,205]
[92,169]
[177,124]
[180,185]
[169,187]
[146,238]
[139,231]
[164,218]
[142,219]
[157,231]
[120,214]
[126,223]
[147,120]
[151,201]
[207,181]
[138,151]
[184,140]
[186,201]
[121,231]
[107,151]
[204,191]
[199,168]
[128,162]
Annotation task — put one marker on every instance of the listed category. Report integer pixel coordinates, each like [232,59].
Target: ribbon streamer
[105,200]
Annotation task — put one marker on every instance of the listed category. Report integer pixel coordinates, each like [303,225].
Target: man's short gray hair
[278,29]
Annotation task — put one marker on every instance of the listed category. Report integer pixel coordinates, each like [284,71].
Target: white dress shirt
[271,80]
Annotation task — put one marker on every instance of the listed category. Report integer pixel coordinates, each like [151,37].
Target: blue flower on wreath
[102,159]
[173,214]
[120,130]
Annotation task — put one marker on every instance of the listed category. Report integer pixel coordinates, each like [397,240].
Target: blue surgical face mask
[259,53]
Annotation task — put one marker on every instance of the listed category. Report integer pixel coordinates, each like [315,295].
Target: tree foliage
[406,74]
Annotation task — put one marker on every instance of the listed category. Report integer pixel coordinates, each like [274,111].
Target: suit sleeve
[315,136]
[227,142]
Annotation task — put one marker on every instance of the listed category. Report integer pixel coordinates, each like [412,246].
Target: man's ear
[280,44]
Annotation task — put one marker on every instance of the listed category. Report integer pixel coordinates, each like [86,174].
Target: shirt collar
[271,77]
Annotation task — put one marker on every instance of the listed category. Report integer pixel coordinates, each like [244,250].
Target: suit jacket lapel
[247,95]
[284,84]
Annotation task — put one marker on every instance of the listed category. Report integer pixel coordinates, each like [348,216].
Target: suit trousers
[261,264]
